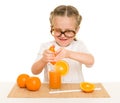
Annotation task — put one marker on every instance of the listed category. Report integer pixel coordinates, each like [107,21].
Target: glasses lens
[69,33]
[56,32]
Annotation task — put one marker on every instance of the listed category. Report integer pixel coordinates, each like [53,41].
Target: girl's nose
[62,34]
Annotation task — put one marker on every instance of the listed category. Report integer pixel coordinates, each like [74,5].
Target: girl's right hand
[48,56]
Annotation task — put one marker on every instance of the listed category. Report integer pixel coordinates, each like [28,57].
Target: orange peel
[52,48]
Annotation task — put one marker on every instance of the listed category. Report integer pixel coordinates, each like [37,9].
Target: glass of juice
[54,79]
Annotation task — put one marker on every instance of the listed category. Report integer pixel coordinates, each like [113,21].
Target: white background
[24,25]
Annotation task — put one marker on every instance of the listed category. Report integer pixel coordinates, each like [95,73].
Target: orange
[21,80]
[87,87]
[62,66]
[33,83]
[52,48]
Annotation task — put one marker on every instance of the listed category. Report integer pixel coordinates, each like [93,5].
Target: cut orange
[62,66]
[52,48]
[87,87]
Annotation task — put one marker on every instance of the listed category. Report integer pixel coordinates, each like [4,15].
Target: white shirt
[75,68]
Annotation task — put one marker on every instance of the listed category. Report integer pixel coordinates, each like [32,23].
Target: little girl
[65,24]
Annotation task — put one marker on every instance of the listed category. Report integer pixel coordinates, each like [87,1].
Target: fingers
[60,54]
[58,51]
[48,56]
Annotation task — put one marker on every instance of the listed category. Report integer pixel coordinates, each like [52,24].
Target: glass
[54,79]
[67,33]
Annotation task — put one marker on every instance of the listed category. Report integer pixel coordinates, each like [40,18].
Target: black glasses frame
[63,32]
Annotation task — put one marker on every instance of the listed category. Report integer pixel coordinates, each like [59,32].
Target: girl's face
[64,30]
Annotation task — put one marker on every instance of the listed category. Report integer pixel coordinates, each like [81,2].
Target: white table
[112,88]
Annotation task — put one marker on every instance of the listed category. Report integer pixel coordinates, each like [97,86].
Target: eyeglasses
[66,33]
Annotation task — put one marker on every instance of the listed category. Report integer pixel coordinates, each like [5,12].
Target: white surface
[112,89]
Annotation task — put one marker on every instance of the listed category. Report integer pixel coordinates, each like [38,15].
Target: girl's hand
[48,56]
[61,53]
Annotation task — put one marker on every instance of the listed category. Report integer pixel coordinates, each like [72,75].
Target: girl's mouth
[63,39]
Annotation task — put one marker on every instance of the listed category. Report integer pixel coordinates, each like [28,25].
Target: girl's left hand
[61,53]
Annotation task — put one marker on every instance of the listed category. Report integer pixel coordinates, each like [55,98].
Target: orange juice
[54,79]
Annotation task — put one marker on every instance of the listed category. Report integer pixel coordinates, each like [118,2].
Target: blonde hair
[68,11]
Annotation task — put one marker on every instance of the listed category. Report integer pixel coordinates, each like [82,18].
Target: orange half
[62,66]
[52,48]
[87,87]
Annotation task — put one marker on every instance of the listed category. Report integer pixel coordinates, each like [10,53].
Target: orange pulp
[87,87]
[62,66]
